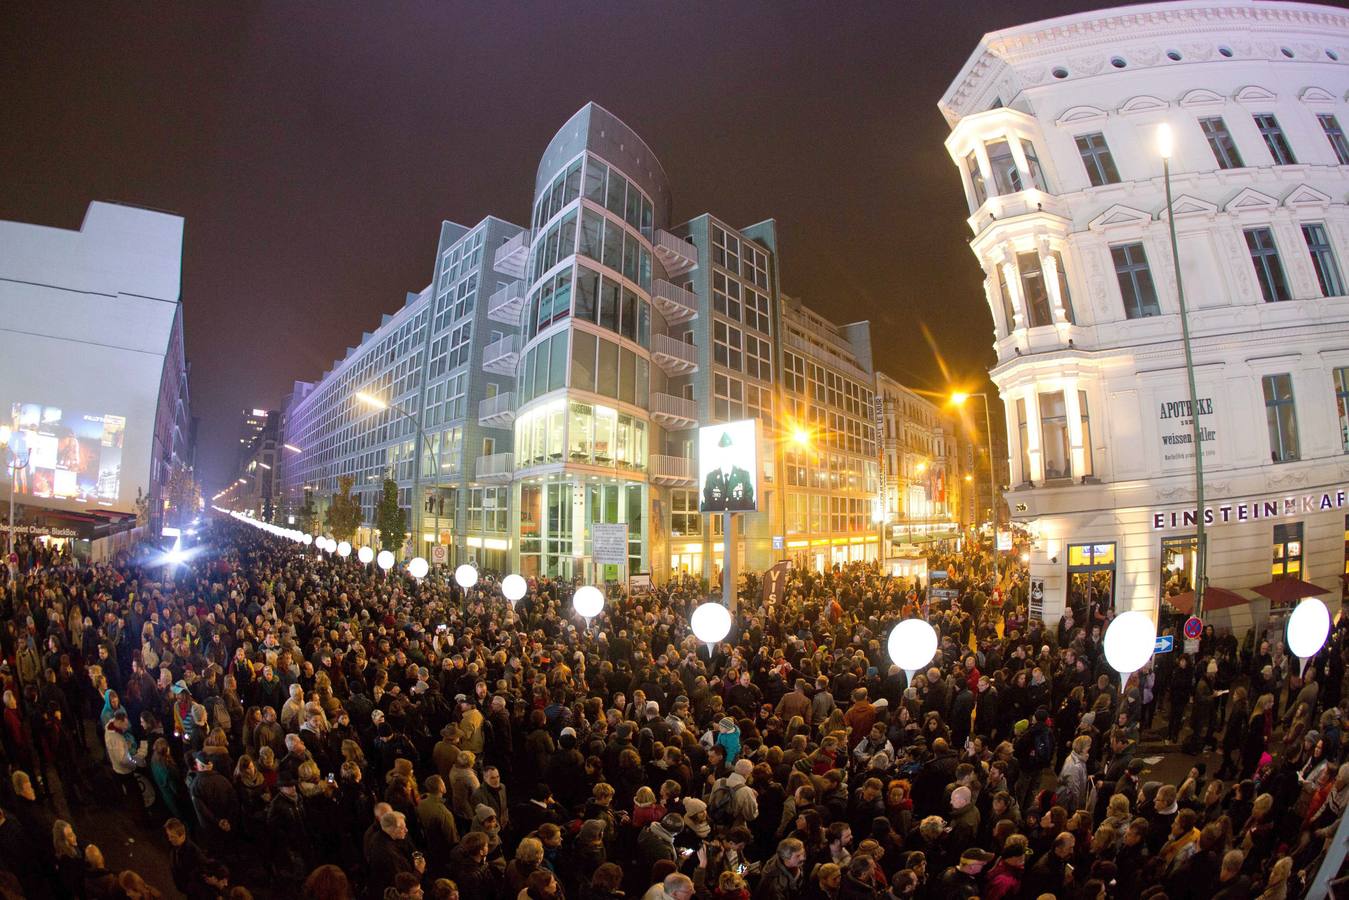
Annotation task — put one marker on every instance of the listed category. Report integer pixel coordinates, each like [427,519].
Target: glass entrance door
[1091,581]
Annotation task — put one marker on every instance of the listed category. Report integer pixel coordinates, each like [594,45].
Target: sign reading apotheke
[1177,428]
[1266,508]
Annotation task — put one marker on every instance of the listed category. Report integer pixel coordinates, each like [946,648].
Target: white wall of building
[1045,88]
[87,318]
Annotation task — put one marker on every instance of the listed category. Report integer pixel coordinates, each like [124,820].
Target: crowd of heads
[312,725]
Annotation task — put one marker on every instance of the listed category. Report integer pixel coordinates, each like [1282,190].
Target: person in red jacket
[1004,879]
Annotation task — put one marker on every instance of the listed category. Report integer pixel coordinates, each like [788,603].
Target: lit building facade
[1054,130]
[830,461]
[919,461]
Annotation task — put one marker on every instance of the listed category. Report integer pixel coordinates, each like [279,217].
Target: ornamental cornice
[1085,42]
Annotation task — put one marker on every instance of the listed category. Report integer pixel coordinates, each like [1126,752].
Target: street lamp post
[959,398]
[375,402]
[1165,147]
[800,436]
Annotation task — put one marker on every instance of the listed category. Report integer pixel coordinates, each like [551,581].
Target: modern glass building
[560,372]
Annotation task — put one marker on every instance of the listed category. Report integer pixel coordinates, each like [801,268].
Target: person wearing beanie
[1004,879]
[695,817]
[656,842]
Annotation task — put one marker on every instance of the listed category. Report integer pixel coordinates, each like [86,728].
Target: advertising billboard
[728,467]
[70,454]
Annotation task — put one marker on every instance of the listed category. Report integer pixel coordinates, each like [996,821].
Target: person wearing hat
[961,881]
[728,487]
[1004,879]
[292,854]
[656,841]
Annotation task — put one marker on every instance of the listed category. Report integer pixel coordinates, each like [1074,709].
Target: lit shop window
[1280,417]
[1287,551]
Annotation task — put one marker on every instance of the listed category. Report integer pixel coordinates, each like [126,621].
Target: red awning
[1289,590]
[1215,598]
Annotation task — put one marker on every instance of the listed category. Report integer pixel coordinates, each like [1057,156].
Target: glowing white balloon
[418,567]
[308,539]
[1308,627]
[587,601]
[1129,642]
[466,576]
[710,622]
[344,549]
[513,586]
[365,554]
[385,560]
[912,644]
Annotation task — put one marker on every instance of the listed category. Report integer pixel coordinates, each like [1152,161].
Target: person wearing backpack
[732,801]
[1034,750]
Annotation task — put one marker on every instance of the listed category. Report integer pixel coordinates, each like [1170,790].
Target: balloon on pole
[912,644]
[588,601]
[1308,627]
[1129,642]
[384,560]
[418,567]
[513,587]
[344,549]
[365,554]
[466,576]
[710,623]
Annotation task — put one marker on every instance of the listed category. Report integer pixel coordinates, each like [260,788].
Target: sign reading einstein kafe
[1177,428]
[1267,508]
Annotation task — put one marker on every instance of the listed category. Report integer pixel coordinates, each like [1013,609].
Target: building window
[1008,313]
[1037,174]
[1086,433]
[1221,143]
[1342,404]
[1323,260]
[1268,269]
[1287,551]
[1281,417]
[1331,126]
[1023,436]
[1033,289]
[1275,140]
[976,179]
[1006,177]
[1135,281]
[1096,157]
[1054,444]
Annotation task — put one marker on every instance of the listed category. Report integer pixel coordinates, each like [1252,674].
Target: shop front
[555,514]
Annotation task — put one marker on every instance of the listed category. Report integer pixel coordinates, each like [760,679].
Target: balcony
[674,357]
[511,256]
[507,305]
[671,470]
[498,411]
[674,302]
[675,254]
[673,412]
[502,355]
[494,467]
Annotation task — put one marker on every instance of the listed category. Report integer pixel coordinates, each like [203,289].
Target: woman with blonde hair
[645,809]
[69,858]
[1276,888]
[134,887]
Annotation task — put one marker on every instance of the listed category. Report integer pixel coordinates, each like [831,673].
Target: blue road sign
[1165,644]
[936,575]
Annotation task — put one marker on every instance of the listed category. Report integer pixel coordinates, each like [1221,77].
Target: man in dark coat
[389,852]
[213,800]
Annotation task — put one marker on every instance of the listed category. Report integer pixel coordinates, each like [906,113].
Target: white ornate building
[1054,130]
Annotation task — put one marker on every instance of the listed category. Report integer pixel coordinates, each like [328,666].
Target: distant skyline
[314,152]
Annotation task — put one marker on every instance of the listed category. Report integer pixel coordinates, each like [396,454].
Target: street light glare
[263,465]
[292,448]
[1165,141]
[800,436]
[371,400]
[959,397]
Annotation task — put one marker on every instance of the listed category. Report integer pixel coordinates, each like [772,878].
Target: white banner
[609,543]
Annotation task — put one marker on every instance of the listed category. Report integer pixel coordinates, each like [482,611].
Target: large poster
[728,467]
[70,454]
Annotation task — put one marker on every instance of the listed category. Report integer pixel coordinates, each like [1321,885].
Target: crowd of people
[285,724]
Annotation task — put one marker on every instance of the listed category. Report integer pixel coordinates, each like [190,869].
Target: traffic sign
[1193,628]
[1165,644]
[440,555]
[937,575]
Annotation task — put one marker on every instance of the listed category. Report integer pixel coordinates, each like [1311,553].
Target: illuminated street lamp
[958,399]
[1165,146]
[418,524]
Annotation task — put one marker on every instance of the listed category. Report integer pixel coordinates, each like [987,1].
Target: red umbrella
[1215,598]
[1288,591]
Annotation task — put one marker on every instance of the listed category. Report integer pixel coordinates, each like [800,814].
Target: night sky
[315,148]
